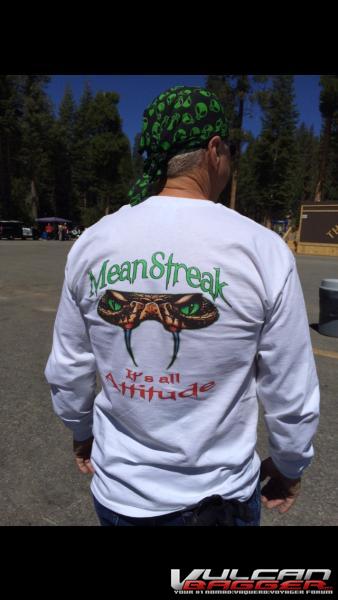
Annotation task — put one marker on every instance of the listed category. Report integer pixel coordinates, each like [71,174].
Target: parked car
[11,229]
[75,233]
[27,232]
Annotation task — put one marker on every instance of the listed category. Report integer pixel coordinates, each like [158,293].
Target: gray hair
[183,163]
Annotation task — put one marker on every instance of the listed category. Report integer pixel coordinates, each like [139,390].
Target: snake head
[173,311]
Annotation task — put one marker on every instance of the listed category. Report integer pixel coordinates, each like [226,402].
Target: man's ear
[214,144]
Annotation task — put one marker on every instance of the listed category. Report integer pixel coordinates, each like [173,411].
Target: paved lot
[40,484]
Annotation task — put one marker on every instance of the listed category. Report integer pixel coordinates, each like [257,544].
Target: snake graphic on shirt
[174,312]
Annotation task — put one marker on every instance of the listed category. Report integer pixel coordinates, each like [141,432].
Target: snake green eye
[191,309]
[113,305]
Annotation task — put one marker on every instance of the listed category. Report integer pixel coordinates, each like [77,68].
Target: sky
[137,91]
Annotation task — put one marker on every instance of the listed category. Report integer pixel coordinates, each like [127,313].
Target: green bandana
[177,121]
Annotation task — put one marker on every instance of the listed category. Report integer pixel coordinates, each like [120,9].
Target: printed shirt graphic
[186,310]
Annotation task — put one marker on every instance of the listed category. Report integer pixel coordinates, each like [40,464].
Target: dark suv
[11,230]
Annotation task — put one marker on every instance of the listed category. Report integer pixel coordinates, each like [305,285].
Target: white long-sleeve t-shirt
[190,313]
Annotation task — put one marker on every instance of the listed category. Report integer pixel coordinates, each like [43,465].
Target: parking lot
[40,484]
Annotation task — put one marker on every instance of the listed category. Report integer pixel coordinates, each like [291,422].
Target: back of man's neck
[178,193]
[185,187]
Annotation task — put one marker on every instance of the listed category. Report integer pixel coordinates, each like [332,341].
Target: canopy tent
[53,220]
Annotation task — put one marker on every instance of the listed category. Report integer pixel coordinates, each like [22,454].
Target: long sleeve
[71,367]
[287,383]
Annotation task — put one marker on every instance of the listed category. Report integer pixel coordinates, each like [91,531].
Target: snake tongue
[127,339]
[176,336]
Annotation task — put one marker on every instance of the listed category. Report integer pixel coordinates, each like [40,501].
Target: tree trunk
[34,201]
[233,191]
[267,222]
[323,162]
[234,180]
[5,179]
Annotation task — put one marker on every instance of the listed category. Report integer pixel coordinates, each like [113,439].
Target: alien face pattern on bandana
[179,120]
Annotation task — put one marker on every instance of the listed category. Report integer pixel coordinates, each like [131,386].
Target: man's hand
[280,491]
[82,452]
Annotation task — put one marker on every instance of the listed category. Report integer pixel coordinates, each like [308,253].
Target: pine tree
[110,153]
[276,150]
[64,197]
[83,174]
[305,169]
[10,112]
[35,155]
[26,122]
[237,93]
[248,196]
[103,166]
[330,186]
[328,106]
